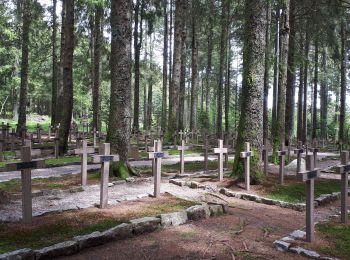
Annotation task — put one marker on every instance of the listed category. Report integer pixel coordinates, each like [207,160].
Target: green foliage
[119,169]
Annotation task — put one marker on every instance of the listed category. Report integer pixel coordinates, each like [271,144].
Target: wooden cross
[104,158]
[309,177]
[25,166]
[156,157]
[182,149]
[246,156]
[298,152]
[281,154]
[220,151]
[314,151]
[266,152]
[344,170]
[83,152]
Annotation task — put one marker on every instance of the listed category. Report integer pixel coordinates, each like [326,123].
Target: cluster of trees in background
[134,65]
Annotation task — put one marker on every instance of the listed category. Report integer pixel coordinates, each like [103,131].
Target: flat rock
[61,249]
[119,232]
[216,210]
[281,245]
[198,212]
[298,234]
[143,225]
[25,253]
[293,165]
[174,219]
[90,240]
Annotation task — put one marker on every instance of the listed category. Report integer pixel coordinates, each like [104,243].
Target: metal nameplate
[106,158]
[246,154]
[310,175]
[347,168]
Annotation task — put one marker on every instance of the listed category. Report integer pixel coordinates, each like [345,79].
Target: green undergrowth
[339,237]
[296,192]
[119,169]
[65,227]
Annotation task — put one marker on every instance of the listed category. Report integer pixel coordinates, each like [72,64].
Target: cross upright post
[83,152]
[298,152]
[156,157]
[246,156]
[309,177]
[182,149]
[314,151]
[344,170]
[220,151]
[281,154]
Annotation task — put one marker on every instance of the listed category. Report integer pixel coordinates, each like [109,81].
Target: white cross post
[246,156]
[104,158]
[309,177]
[298,152]
[182,149]
[156,157]
[221,151]
[25,166]
[83,152]
[344,170]
[281,154]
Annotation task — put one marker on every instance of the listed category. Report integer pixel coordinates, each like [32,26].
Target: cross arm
[309,175]
[35,164]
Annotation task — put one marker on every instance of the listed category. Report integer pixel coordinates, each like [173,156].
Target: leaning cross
[309,177]
[83,152]
[182,149]
[246,156]
[344,170]
[281,154]
[156,157]
[25,166]
[221,151]
[105,158]
[298,152]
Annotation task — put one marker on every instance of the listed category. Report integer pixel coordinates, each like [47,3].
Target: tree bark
[209,61]
[324,97]
[182,94]
[342,81]
[227,85]
[300,93]
[120,104]
[150,86]
[22,110]
[306,69]
[194,84]
[165,67]
[267,72]
[314,105]
[54,64]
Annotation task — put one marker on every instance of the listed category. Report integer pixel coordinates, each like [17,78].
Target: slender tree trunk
[314,113]
[209,61]
[22,111]
[194,89]
[170,47]
[290,96]
[279,136]
[228,84]
[342,81]
[176,77]
[120,104]
[150,86]
[267,72]
[300,93]
[223,53]
[182,94]
[251,120]
[165,67]
[92,57]
[54,64]
[306,69]
[67,80]
[324,96]
[145,127]
[97,67]
[137,48]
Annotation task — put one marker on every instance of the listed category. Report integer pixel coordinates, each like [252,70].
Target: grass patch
[189,235]
[296,192]
[64,160]
[339,237]
[53,229]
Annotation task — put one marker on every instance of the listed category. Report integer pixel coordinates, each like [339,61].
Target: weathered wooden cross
[104,158]
[281,154]
[156,157]
[182,149]
[344,170]
[298,152]
[83,152]
[246,156]
[309,177]
[25,166]
[220,151]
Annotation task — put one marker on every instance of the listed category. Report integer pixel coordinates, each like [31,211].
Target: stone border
[320,201]
[125,230]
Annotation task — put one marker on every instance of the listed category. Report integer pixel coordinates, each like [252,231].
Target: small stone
[281,245]
[119,232]
[309,253]
[174,219]
[268,201]
[298,234]
[90,240]
[177,182]
[216,210]
[60,249]
[287,239]
[130,179]
[296,250]
[198,212]
[119,182]
[143,225]
[195,185]
[77,189]
[110,184]
[223,191]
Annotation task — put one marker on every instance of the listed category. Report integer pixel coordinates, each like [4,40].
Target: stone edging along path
[119,232]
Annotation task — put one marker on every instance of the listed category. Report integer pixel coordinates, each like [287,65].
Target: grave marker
[298,152]
[344,170]
[25,166]
[83,152]
[181,133]
[309,177]
[95,132]
[281,154]
[104,158]
[220,151]
[182,149]
[314,151]
[156,157]
[246,156]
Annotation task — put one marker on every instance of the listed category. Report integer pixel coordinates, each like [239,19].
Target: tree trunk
[176,77]
[227,85]
[150,86]
[182,94]
[170,63]
[279,136]
[209,61]
[22,111]
[223,53]
[194,84]
[324,96]
[97,67]
[120,104]
[165,67]
[137,48]
[67,79]
[314,112]
[290,96]
[251,119]
[267,72]
[54,64]
[342,82]
[300,93]
[306,69]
